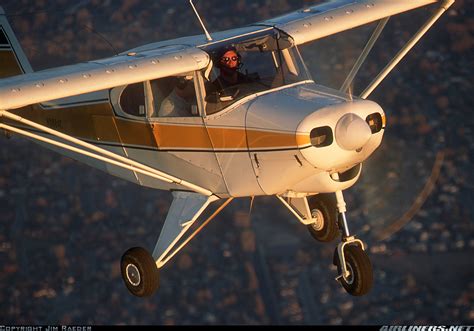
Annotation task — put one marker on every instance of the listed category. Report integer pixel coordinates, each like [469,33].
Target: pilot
[180,101]
[229,63]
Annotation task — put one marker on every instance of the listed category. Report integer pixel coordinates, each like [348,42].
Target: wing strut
[404,51]
[106,156]
[184,211]
[363,56]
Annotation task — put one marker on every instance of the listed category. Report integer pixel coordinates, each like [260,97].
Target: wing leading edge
[336,16]
[42,86]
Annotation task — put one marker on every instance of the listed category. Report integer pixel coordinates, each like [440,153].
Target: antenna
[208,36]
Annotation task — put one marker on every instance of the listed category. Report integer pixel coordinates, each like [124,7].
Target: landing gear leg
[353,263]
[140,269]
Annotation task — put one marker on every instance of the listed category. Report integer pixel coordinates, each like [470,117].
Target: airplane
[165,116]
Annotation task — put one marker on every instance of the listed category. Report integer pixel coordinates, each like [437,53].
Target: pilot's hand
[229,94]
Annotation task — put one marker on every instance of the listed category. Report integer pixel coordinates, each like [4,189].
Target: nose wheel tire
[325,207]
[139,272]
[360,279]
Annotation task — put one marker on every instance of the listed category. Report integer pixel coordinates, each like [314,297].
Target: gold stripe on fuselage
[98,123]
[258,139]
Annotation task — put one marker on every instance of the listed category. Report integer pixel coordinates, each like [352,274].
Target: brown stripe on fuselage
[97,122]
[8,64]
[226,138]
[181,137]
[74,121]
[133,132]
[262,139]
[302,140]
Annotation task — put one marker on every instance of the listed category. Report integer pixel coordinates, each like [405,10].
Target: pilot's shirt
[221,83]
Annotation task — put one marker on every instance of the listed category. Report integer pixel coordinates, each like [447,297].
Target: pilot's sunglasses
[227,59]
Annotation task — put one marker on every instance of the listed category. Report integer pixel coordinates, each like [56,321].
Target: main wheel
[358,264]
[324,207]
[139,272]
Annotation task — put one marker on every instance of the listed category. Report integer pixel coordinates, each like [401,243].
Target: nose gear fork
[345,275]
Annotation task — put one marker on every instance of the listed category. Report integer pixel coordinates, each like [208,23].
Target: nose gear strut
[350,256]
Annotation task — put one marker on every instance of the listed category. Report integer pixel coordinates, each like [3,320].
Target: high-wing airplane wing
[98,75]
[129,68]
[339,15]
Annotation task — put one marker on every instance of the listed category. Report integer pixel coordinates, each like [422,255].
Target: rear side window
[132,100]
[3,38]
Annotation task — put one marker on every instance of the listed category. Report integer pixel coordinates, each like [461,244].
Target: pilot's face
[230,60]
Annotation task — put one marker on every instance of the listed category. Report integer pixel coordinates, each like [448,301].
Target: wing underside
[332,17]
[42,86]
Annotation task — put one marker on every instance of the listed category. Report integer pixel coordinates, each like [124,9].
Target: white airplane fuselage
[285,160]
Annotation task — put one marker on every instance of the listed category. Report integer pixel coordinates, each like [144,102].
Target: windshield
[251,66]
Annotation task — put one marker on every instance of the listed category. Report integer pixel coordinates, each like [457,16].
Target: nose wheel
[357,279]
[139,272]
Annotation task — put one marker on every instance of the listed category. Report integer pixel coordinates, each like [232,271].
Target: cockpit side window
[174,97]
[246,67]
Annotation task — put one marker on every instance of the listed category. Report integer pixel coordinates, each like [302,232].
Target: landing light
[376,122]
[321,137]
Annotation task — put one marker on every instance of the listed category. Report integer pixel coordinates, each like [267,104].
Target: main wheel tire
[139,272]
[358,264]
[326,206]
